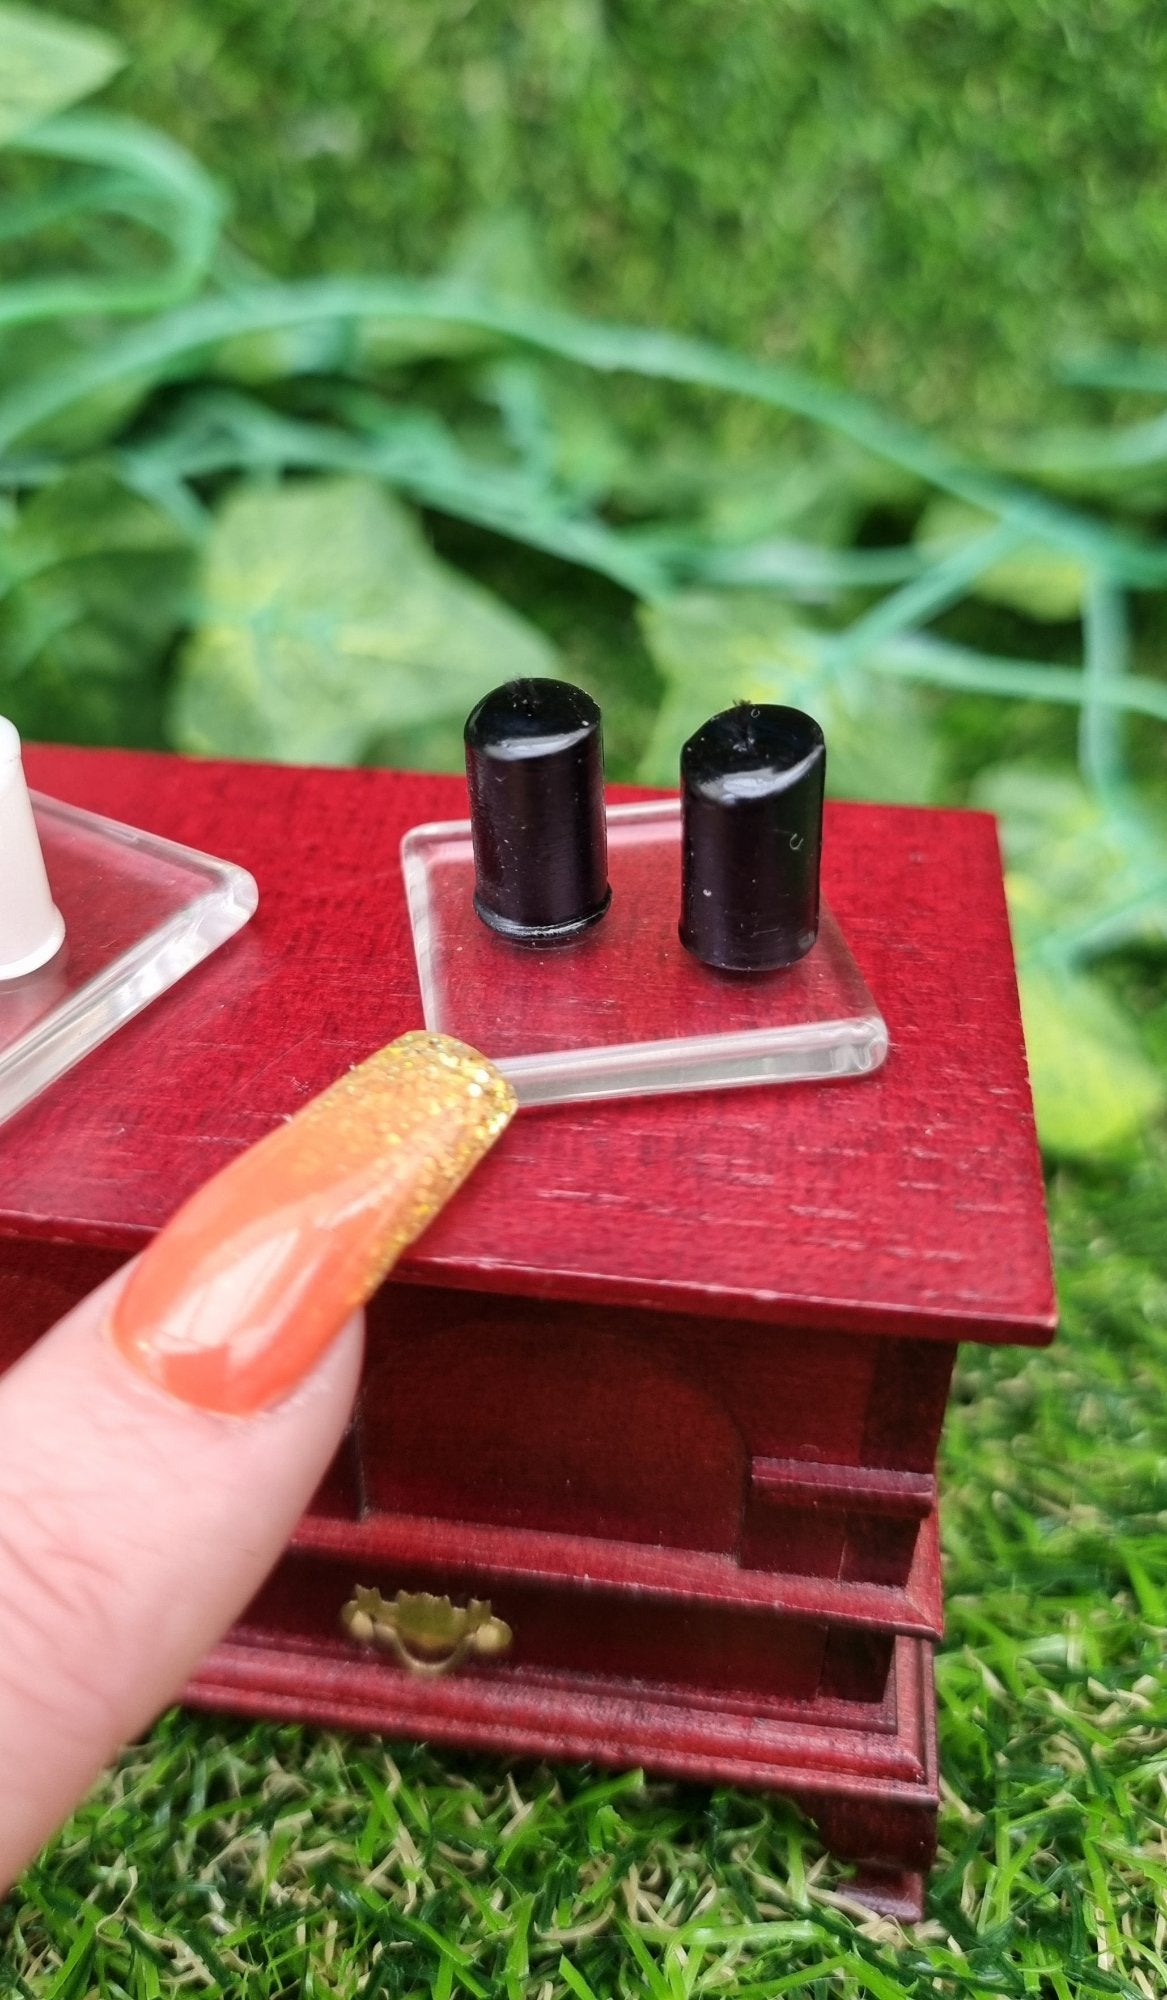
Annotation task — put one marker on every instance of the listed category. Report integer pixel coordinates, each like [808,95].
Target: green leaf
[1093,1086]
[877,1984]
[323,347]
[820,497]
[1043,583]
[718,647]
[591,456]
[329,631]
[575,1981]
[92,422]
[1072,864]
[556,422]
[93,586]
[501,253]
[46,64]
[497,254]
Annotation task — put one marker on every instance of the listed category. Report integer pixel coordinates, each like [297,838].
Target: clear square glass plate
[140,912]
[625,1010]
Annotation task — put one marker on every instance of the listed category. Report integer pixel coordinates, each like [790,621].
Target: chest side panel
[791,1451]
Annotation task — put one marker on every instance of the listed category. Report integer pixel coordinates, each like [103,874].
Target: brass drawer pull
[428,1635]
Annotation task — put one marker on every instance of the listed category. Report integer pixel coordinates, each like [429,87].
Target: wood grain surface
[909,1202]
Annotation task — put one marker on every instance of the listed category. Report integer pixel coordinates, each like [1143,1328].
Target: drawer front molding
[796,1482]
[858,1523]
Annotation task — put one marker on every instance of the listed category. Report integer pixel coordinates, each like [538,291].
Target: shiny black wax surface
[534,764]
[751,837]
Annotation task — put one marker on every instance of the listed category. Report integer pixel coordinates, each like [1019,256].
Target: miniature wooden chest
[664,1386]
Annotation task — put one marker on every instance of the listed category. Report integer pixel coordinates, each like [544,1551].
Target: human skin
[158,1445]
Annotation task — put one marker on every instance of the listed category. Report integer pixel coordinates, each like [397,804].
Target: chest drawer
[598,1613]
[585,1635]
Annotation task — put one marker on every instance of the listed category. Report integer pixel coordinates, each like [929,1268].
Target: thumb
[159,1444]
[133,1530]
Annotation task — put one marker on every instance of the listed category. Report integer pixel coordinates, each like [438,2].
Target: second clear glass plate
[625,1010]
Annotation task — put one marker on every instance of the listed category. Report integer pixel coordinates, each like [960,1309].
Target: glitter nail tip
[240,1294]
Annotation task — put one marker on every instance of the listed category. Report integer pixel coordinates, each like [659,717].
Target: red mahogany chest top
[909,1202]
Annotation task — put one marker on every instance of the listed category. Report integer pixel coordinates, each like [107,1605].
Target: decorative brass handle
[428,1635]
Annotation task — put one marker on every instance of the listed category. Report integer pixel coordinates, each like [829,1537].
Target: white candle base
[33,960]
[32,929]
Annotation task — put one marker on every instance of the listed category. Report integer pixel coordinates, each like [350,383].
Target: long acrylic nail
[243,1290]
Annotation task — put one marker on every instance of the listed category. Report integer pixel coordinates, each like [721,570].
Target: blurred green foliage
[922,200]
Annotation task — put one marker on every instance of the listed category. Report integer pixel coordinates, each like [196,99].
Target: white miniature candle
[31,927]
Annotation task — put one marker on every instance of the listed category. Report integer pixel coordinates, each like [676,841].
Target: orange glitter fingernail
[243,1290]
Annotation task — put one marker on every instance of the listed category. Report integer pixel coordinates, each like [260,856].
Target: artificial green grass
[223,1857]
[925,201]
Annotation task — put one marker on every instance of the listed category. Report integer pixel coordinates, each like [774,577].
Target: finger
[159,1444]
[133,1531]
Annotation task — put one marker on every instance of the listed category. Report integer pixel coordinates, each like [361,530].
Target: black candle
[751,836]
[534,762]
